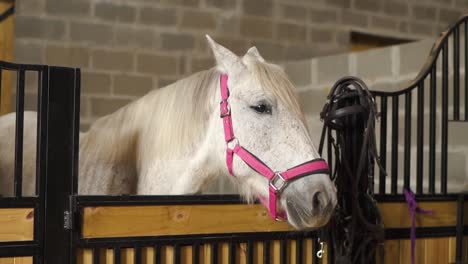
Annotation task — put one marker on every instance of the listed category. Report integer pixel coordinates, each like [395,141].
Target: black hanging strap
[10,11]
[356,230]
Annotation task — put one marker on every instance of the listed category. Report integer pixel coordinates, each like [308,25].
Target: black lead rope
[356,232]
[10,11]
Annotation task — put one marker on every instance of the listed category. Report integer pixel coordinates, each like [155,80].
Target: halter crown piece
[278,181]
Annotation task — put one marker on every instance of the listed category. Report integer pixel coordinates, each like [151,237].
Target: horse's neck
[108,152]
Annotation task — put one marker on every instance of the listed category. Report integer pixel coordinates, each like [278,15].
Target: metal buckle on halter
[228,108]
[232,143]
[277,178]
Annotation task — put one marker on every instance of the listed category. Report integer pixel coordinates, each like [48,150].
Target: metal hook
[321,251]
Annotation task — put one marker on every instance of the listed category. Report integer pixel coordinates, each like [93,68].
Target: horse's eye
[262,108]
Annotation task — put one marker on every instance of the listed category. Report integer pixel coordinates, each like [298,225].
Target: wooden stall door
[6,54]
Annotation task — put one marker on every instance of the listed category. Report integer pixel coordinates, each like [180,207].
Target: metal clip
[67,220]
[321,251]
[278,179]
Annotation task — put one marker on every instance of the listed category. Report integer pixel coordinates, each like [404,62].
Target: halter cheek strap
[277,180]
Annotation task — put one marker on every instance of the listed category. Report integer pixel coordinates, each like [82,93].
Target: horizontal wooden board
[117,221]
[397,215]
[17,260]
[16,224]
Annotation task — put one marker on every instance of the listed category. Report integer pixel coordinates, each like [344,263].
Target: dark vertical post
[420,139]
[432,129]
[407,148]
[250,252]
[466,70]
[137,255]
[214,253]
[394,182]
[61,163]
[196,253]
[266,252]
[19,133]
[96,255]
[232,253]
[383,143]
[1,73]
[157,254]
[456,72]
[117,255]
[444,124]
[41,155]
[299,251]
[176,254]
[283,251]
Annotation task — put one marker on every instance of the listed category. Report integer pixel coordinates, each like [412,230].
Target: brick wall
[126,48]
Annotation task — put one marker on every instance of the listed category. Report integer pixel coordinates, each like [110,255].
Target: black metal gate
[58,90]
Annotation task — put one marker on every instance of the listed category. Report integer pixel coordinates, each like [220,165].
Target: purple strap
[413,208]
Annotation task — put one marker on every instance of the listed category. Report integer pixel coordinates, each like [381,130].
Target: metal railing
[432,80]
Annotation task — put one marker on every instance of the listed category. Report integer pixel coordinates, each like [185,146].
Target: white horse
[171,141]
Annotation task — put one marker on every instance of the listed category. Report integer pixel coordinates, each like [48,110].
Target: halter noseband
[277,180]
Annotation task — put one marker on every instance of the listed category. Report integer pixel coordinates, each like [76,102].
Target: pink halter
[277,180]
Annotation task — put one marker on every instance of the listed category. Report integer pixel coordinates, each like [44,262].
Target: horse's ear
[226,60]
[253,53]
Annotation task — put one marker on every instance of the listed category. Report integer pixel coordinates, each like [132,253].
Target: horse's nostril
[316,200]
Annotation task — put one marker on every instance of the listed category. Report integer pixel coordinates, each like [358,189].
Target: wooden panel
[397,214]
[17,260]
[392,251]
[16,224]
[6,54]
[114,221]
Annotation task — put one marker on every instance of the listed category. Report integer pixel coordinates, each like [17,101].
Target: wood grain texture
[17,260]
[397,214]
[6,54]
[114,221]
[16,224]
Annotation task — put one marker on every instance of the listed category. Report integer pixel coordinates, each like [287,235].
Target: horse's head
[268,122]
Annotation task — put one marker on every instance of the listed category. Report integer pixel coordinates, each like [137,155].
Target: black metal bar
[432,129]
[456,72]
[299,251]
[95,255]
[176,254]
[283,251]
[19,133]
[466,70]
[420,198]
[394,151]
[1,78]
[61,163]
[196,253]
[189,239]
[383,143]
[420,139]
[250,252]
[41,156]
[157,254]
[101,200]
[117,255]
[266,252]
[314,249]
[407,148]
[421,232]
[456,105]
[137,255]
[459,236]
[329,148]
[232,253]
[214,253]
[19,248]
